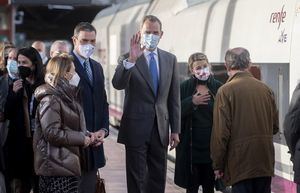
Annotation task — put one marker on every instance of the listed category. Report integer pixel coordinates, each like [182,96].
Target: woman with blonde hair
[60,129]
[193,163]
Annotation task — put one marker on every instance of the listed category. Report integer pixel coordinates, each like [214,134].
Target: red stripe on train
[282,185]
[279,184]
[115,113]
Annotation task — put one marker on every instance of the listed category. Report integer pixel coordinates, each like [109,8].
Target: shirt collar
[239,75]
[147,52]
[80,58]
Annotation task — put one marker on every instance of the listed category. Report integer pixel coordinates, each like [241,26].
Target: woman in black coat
[193,164]
[3,93]
[20,110]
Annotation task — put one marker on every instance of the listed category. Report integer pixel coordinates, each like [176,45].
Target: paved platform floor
[115,175]
[114,171]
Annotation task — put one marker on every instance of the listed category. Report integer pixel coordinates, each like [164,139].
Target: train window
[219,71]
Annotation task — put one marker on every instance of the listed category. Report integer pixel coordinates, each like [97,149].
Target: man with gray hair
[245,119]
[41,48]
[59,46]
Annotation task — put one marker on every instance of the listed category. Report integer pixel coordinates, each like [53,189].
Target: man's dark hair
[151,18]
[237,58]
[84,26]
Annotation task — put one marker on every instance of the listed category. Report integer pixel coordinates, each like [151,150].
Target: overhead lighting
[64,7]
[19,16]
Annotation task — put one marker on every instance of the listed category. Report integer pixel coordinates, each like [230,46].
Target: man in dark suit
[94,102]
[151,81]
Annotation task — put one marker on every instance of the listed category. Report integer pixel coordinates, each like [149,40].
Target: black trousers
[87,182]
[254,185]
[146,166]
[202,174]
[22,184]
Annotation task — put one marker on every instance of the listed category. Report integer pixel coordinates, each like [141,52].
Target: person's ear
[225,66]
[74,38]
[161,34]
[191,69]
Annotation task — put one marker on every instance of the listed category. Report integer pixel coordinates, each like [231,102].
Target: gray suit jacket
[141,107]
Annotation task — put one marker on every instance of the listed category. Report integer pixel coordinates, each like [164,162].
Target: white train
[269,29]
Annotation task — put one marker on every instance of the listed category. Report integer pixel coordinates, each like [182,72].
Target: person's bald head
[39,46]
[237,59]
[59,47]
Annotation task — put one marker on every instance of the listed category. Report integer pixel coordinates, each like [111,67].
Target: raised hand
[135,48]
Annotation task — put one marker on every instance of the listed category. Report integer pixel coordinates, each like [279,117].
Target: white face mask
[202,74]
[12,69]
[86,50]
[74,80]
[150,41]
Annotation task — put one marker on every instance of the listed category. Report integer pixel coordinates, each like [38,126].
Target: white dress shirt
[127,65]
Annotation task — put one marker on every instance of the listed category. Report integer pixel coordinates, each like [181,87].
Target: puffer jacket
[60,131]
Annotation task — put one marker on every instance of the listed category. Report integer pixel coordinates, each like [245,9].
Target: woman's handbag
[100,185]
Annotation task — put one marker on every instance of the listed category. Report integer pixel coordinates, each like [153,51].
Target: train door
[295,51]
[283,78]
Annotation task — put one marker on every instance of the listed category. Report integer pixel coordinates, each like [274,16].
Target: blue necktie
[88,70]
[153,72]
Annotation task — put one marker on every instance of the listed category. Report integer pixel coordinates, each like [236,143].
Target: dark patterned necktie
[88,70]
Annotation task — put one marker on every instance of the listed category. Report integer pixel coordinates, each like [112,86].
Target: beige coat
[245,119]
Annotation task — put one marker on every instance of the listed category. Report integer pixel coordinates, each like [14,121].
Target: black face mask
[24,71]
[203,82]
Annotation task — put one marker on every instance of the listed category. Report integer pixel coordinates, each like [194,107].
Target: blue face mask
[150,41]
[12,69]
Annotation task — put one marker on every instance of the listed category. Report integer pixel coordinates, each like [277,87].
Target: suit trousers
[146,166]
[2,183]
[202,174]
[87,182]
[254,185]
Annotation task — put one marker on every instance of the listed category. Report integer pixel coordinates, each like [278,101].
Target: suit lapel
[164,70]
[143,68]
[80,70]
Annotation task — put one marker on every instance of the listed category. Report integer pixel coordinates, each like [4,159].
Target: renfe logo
[278,17]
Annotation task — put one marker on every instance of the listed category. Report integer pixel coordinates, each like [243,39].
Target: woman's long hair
[36,60]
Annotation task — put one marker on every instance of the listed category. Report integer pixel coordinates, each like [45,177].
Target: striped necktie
[88,70]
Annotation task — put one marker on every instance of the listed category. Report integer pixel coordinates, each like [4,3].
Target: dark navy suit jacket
[95,106]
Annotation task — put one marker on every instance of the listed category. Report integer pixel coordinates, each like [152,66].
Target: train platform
[114,172]
[115,175]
